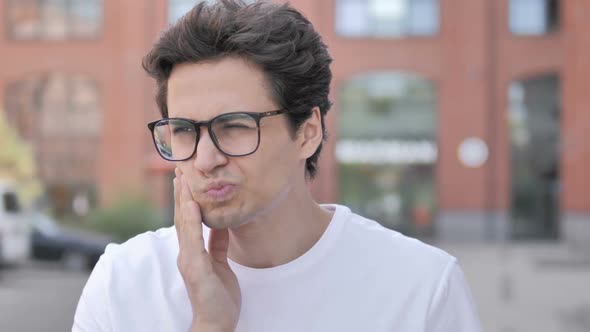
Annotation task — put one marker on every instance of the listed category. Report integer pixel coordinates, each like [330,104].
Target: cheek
[186,169]
[189,176]
[270,168]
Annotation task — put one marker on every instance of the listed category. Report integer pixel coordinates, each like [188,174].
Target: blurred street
[39,297]
[521,288]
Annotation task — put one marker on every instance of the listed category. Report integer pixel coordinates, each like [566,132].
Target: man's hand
[212,286]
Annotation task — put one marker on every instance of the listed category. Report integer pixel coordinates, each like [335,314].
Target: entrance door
[534,122]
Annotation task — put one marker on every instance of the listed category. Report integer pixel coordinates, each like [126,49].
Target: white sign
[381,151]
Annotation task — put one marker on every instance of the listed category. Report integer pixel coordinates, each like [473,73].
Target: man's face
[233,190]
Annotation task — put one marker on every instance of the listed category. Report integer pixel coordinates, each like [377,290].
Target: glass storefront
[386,150]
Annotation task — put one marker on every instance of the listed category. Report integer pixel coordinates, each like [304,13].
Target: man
[243,91]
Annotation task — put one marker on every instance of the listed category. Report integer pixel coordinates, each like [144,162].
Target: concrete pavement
[39,297]
[528,287]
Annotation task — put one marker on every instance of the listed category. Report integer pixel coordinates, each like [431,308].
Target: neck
[281,232]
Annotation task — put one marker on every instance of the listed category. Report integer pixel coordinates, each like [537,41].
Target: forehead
[201,91]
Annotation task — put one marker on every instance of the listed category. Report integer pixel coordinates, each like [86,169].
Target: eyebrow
[231,116]
[209,119]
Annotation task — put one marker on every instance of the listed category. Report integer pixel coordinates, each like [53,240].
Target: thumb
[219,244]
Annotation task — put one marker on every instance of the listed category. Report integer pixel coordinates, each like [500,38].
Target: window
[387,18]
[11,203]
[177,8]
[386,150]
[533,17]
[54,19]
[39,104]
[60,114]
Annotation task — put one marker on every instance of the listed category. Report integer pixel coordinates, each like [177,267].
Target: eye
[182,129]
[235,125]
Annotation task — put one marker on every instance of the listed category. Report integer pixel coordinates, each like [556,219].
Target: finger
[191,236]
[177,209]
[176,187]
[176,184]
[218,245]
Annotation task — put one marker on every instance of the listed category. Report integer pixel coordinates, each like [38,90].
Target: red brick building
[463,118]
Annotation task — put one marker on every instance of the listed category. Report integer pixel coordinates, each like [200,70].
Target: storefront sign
[386,152]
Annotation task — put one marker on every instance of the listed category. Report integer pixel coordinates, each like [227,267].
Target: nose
[208,157]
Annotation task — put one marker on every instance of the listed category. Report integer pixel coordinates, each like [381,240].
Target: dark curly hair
[275,37]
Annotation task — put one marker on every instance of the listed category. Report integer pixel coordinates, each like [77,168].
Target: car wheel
[74,261]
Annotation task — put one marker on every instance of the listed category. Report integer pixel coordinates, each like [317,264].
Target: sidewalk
[39,296]
[527,287]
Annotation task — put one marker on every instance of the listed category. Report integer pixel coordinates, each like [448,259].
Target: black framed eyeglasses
[235,134]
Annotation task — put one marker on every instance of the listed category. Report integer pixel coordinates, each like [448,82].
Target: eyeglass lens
[234,134]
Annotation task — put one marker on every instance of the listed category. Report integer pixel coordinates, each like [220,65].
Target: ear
[310,134]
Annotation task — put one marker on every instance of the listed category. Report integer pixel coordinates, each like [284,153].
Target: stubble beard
[230,214]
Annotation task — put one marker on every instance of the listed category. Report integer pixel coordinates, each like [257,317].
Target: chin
[222,217]
[232,213]
[213,225]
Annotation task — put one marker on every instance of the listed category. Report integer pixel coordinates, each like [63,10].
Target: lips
[219,191]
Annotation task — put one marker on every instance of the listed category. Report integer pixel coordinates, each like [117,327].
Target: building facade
[460,119]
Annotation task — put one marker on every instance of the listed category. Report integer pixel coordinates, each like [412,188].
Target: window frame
[39,37]
[549,32]
[194,3]
[371,35]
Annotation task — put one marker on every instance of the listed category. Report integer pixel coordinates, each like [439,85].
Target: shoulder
[125,277]
[417,273]
[142,251]
[389,247]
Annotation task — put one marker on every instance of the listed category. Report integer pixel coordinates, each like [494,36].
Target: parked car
[76,249]
[15,232]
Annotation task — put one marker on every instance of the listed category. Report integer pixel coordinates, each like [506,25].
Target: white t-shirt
[359,276]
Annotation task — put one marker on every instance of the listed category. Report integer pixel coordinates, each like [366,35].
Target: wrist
[202,327]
